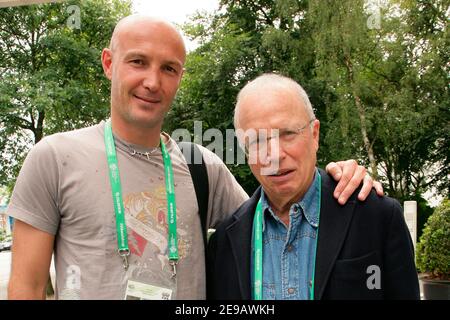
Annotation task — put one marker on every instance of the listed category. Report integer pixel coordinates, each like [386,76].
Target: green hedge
[433,249]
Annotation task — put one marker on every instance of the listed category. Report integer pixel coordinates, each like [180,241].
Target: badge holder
[160,285]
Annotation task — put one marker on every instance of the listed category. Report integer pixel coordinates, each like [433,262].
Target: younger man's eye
[171,69]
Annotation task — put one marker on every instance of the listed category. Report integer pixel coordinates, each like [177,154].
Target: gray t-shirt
[63,188]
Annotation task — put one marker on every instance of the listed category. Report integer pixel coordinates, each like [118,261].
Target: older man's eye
[252,144]
[288,135]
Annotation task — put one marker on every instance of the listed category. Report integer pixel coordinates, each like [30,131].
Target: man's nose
[152,80]
[274,153]
[272,160]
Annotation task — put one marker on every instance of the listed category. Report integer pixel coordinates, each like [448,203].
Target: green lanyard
[257,258]
[258,249]
[116,188]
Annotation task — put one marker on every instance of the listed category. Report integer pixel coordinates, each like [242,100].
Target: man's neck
[281,208]
[137,135]
[282,205]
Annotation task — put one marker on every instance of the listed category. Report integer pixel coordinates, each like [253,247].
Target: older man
[292,240]
[115,202]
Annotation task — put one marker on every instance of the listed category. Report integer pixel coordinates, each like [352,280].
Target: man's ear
[316,133]
[107,62]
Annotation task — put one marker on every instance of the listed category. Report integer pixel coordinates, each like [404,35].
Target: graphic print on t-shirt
[146,216]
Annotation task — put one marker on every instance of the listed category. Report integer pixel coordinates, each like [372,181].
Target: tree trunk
[39,130]
[362,119]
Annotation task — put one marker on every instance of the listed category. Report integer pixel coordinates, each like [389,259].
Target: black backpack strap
[199,175]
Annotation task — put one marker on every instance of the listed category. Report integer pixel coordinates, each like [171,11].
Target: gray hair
[273,79]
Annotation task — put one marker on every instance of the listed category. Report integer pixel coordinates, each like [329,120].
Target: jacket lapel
[240,236]
[333,227]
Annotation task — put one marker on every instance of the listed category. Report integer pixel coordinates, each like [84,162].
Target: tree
[427,23]
[51,75]
[433,249]
[380,75]
[246,40]
[379,86]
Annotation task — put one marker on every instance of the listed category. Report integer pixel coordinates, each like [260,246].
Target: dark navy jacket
[352,239]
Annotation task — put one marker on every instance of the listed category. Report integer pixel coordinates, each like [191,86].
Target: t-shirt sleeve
[225,193]
[35,195]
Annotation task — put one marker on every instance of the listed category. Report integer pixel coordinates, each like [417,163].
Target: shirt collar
[130,147]
[309,204]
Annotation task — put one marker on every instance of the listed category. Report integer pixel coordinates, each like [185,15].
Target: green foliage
[381,94]
[4,236]
[433,249]
[328,47]
[248,39]
[424,211]
[398,73]
[51,75]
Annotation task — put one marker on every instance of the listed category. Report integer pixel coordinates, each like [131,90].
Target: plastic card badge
[142,291]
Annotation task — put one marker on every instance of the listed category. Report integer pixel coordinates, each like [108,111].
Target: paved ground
[5,265]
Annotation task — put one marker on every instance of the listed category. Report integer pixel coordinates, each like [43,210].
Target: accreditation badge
[144,282]
[141,291]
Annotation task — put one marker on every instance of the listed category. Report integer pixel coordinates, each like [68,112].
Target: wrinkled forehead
[269,105]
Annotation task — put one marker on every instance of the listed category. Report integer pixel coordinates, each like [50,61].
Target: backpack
[199,174]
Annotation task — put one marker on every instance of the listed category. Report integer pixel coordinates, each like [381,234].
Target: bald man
[114,202]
